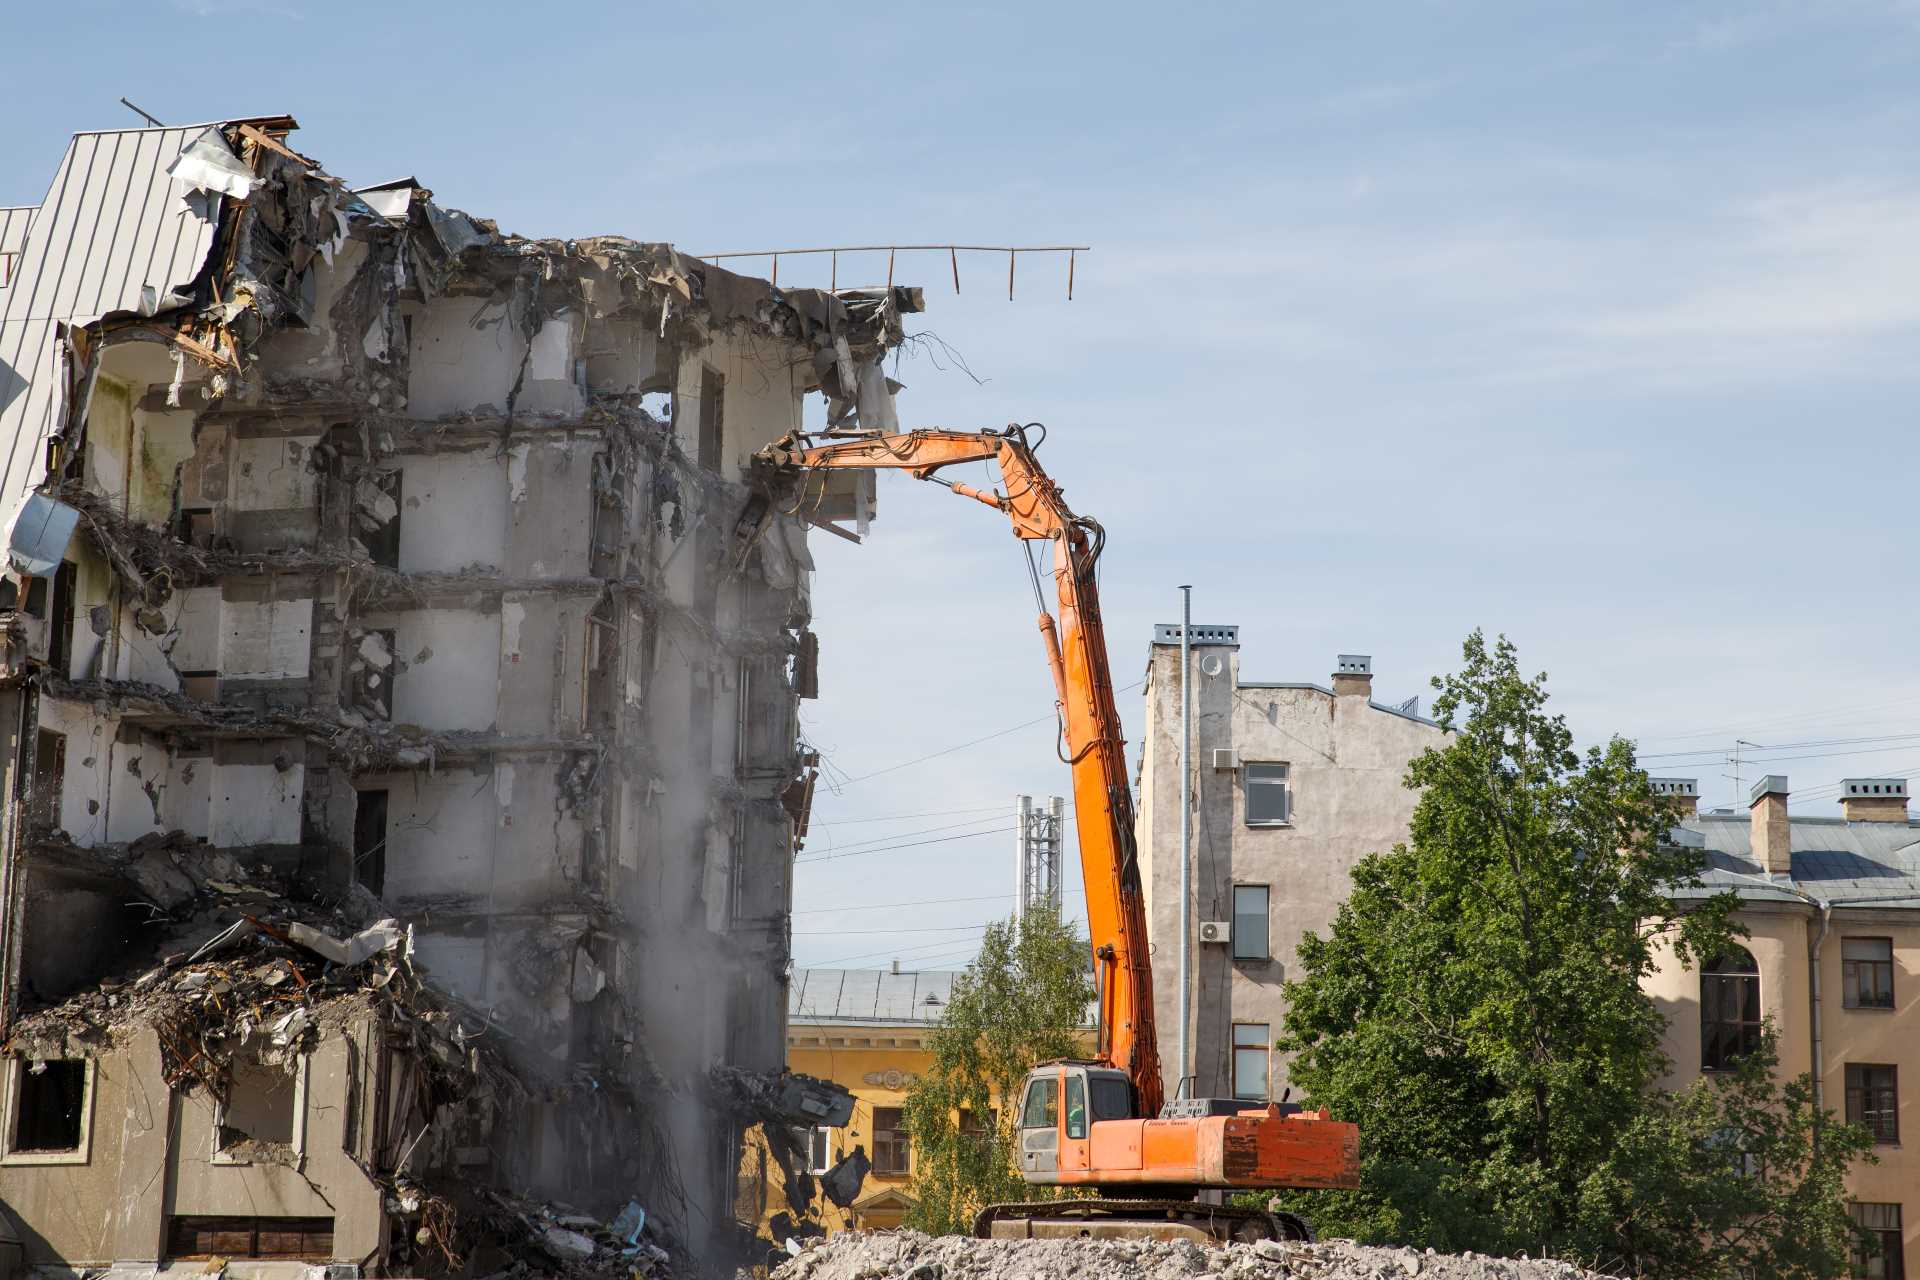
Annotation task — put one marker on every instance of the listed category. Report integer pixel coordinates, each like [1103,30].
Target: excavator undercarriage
[1165,1220]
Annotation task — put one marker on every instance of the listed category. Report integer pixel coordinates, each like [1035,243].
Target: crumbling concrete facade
[414,564]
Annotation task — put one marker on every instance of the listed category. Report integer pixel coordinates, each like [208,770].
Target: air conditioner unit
[1216,931]
[1226,759]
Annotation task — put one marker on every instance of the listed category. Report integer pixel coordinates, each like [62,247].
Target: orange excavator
[1160,1169]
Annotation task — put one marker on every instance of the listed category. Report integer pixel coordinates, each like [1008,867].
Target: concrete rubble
[909,1255]
[399,687]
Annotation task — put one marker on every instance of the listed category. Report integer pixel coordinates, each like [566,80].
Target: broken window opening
[260,1122]
[310,1239]
[194,526]
[36,597]
[49,771]
[370,840]
[370,671]
[60,635]
[49,1107]
[713,399]
[376,517]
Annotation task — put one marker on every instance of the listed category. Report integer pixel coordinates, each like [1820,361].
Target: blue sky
[1592,324]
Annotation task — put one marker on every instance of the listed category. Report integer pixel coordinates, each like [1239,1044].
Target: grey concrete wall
[1346,759]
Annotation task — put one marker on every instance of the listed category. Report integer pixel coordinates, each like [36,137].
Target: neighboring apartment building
[1293,784]
[866,1030]
[409,565]
[1833,905]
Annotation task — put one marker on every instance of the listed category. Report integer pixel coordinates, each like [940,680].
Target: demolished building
[362,549]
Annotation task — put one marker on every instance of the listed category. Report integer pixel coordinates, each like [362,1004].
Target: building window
[817,1141]
[263,1119]
[1867,969]
[204,1237]
[975,1132]
[891,1147]
[1250,922]
[1873,1100]
[49,1111]
[1729,1010]
[1269,801]
[370,839]
[1888,1260]
[1252,1042]
[713,398]
[49,774]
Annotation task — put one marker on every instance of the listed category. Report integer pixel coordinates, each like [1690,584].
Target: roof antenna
[143,115]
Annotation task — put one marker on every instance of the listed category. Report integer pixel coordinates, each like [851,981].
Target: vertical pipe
[1819,1064]
[1186,831]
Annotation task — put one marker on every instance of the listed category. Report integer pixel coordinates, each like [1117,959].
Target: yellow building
[1834,961]
[866,1030]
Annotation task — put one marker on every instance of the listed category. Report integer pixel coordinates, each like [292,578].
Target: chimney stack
[1684,791]
[1353,675]
[1874,799]
[1772,838]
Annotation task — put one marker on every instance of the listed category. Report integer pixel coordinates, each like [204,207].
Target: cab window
[1112,1098]
[1042,1109]
[1076,1106]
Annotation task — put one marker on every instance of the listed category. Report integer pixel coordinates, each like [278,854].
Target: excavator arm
[1076,652]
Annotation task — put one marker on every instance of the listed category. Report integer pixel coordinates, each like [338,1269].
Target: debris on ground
[909,1255]
[511,1238]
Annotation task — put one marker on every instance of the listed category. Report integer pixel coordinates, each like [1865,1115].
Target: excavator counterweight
[1101,1123]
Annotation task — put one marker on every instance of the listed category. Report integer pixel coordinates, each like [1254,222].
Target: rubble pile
[266,982]
[908,1255]
[525,1238]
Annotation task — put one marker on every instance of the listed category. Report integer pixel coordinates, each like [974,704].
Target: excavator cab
[1058,1108]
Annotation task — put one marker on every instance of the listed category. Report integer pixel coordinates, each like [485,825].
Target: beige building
[1293,783]
[1834,961]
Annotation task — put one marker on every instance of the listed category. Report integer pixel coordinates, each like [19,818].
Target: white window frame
[82,1154]
[1266,925]
[1248,783]
[819,1149]
[301,1077]
[1265,1047]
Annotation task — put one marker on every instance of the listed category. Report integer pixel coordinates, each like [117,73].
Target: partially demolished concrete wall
[394,559]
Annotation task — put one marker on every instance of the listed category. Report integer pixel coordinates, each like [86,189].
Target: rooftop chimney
[896,966]
[1353,675]
[1874,799]
[1684,791]
[1772,839]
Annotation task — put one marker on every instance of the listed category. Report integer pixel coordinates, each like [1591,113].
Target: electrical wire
[947,751]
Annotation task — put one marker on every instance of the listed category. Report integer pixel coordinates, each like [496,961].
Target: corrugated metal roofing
[871,996]
[13,235]
[113,225]
[1859,863]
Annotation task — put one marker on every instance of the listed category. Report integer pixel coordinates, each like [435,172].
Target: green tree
[1477,1005]
[1739,1175]
[1021,1002]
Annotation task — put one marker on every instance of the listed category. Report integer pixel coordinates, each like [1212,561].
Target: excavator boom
[1076,650]
[1101,1124]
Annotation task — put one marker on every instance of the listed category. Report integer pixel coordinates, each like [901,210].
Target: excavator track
[1102,1219]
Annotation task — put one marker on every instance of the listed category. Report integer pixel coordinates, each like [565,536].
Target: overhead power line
[974,742]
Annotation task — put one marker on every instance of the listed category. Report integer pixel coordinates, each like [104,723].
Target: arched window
[1729,1010]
